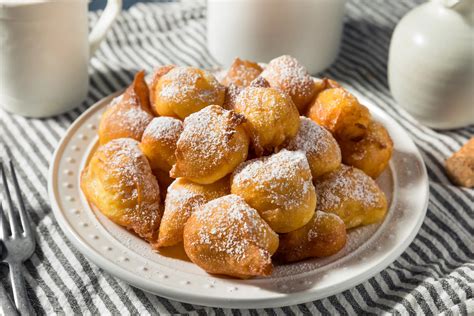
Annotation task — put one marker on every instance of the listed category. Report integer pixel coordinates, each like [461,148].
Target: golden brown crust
[159,142]
[339,111]
[119,182]
[279,187]
[372,153]
[128,115]
[287,74]
[159,72]
[185,90]
[182,199]
[227,236]
[323,236]
[320,147]
[241,73]
[352,195]
[272,118]
[460,166]
[211,145]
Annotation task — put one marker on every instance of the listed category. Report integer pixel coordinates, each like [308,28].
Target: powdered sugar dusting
[182,85]
[311,138]
[229,225]
[350,184]
[290,75]
[208,133]
[131,118]
[164,128]
[272,174]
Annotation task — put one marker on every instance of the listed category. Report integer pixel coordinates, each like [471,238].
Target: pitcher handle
[111,11]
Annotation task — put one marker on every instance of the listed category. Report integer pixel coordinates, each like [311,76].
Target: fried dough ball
[279,187]
[372,153]
[182,199]
[211,145]
[159,142]
[352,195]
[287,74]
[320,147]
[242,73]
[128,115]
[185,90]
[119,182]
[339,111]
[323,236]
[227,236]
[272,118]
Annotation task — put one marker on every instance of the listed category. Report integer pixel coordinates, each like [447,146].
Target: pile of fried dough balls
[264,163]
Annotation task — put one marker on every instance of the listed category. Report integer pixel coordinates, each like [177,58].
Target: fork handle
[7,307]
[19,289]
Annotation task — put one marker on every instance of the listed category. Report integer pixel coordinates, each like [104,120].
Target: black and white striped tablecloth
[435,274]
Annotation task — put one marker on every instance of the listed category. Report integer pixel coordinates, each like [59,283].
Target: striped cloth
[435,274]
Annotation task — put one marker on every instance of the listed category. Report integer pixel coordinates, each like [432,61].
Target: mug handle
[111,11]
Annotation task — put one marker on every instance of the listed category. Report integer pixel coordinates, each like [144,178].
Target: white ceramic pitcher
[44,53]
[431,63]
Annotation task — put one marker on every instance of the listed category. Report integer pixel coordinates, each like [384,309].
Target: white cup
[260,30]
[44,53]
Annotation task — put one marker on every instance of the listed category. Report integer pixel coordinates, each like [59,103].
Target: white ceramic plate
[369,249]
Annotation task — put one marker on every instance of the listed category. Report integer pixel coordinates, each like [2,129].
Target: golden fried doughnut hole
[352,195]
[372,153]
[341,113]
[320,147]
[323,236]
[128,115]
[227,236]
[279,187]
[119,182]
[272,118]
[287,74]
[185,90]
[182,199]
[241,73]
[211,145]
[159,142]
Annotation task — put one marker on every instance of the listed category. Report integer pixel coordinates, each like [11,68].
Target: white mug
[44,53]
[260,30]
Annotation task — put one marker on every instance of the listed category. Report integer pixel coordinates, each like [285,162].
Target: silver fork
[19,241]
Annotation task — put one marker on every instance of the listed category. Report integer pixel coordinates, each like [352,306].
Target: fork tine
[25,220]
[3,224]
[14,228]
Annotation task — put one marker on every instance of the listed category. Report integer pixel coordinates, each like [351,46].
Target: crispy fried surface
[320,147]
[271,117]
[352,195]
[128,115]
[372,153]
[323,236]
[119,182]
[211,145]
[227,236]
[279,187]
[185,90]
[182,199]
